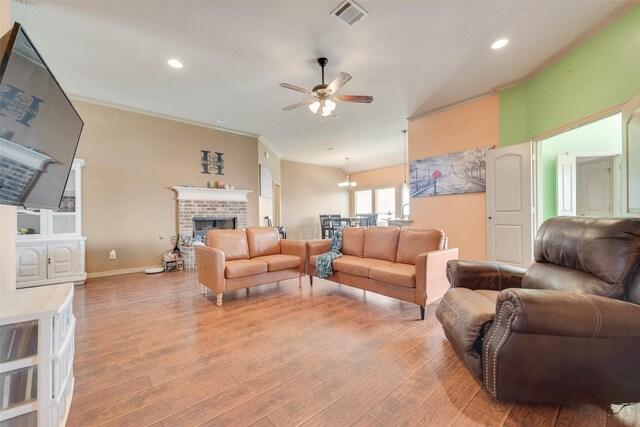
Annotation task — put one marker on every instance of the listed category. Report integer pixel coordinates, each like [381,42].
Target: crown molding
[616,14]
[76,97]
[266,142]
[452,105]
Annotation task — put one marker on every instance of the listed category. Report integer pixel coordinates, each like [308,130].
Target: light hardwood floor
[150,350]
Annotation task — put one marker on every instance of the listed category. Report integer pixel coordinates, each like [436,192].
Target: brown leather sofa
[565,330]
[397,263]
[235,259]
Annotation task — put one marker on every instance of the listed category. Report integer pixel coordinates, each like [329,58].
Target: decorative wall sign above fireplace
[212,163]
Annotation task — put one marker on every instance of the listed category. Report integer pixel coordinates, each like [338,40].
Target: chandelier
[348,184]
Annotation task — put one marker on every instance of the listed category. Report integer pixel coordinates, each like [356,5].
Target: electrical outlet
[112,254]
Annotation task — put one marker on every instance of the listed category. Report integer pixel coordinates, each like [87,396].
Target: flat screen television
[39,128]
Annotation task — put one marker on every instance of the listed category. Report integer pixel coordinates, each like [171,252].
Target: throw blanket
[324,262]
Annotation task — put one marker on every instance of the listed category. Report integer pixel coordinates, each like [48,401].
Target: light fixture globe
[314,107]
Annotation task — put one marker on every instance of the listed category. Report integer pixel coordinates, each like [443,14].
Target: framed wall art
[452,173]
[266,182]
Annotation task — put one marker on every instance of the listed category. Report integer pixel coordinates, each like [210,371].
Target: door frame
[537,154]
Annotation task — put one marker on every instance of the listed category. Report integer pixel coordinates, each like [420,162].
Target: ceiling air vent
[349,12]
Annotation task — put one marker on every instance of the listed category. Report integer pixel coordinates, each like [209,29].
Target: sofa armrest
[570,314]
[210,262]
[317,247]
[431,279]
[486,275]
[296,248]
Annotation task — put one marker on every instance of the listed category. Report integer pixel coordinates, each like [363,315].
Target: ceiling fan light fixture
[329,105]
[314,107]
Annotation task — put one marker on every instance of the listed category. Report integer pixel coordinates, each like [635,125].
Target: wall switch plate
[112,254]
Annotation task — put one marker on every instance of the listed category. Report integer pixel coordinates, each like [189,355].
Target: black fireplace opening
[201,225]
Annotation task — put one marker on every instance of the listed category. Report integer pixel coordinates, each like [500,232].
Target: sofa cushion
[263,241]
[381,243]
[353,241]
[395,274]
[414,242]
[465,316]
[279,262]
[243,268]
[356,265]
[232,242]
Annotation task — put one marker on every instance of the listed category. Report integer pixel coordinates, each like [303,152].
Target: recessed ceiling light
[175,63]
[221,120]
[499,43]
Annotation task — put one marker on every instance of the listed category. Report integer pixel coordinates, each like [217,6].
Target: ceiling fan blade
[296,88]
[299,104]
[355,98]
[338,82]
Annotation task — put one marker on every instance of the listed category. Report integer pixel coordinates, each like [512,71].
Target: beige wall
[461,216]
[308,191]
[392,176]
[132,161]
[266,205]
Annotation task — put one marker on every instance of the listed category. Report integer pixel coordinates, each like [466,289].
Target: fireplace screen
[201,225]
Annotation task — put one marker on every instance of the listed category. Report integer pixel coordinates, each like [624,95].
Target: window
[386,203]
[364,202]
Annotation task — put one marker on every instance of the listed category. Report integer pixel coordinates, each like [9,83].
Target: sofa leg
[219,300]
[421,312]
[310,280]
[299,280]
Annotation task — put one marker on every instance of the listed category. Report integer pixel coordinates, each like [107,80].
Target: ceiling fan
[324,95]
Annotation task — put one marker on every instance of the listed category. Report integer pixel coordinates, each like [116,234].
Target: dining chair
[325,227]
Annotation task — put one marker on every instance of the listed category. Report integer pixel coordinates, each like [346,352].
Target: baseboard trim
[118,272]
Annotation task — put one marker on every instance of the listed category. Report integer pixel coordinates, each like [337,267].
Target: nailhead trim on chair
[488,383]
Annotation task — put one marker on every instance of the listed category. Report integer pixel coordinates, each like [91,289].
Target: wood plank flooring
[150,350]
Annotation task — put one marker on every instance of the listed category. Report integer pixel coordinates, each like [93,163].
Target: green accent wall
[602,135]
[602,72]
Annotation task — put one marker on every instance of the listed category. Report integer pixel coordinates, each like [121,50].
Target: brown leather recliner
[567,329]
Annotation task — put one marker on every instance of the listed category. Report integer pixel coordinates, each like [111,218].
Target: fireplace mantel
[211,194]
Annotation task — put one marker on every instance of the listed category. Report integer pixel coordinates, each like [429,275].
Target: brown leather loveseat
[407,264]
[567,329]
[236,259]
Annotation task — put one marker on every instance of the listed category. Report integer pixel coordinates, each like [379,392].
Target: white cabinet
[36,356]
[50,247]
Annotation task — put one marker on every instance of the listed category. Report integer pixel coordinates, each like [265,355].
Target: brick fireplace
[212,203]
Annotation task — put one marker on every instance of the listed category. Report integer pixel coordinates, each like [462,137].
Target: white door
[566,185]
[509,205]
[631,157]
[63,259]
[595,185]
[31,263]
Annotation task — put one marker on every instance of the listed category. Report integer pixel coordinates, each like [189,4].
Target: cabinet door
[63,259]
[31,263]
